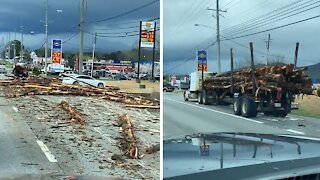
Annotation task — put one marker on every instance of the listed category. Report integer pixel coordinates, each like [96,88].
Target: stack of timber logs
[267,78]
[50,86]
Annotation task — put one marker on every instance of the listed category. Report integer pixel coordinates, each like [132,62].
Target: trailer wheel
[185,96]
[281,113]
[215,98]
[200,98]
[237,106]
[205,99]
[248,108]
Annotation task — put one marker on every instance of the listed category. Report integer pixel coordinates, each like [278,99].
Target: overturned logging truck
[267,89]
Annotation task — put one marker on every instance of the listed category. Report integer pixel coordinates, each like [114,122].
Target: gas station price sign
[56,51]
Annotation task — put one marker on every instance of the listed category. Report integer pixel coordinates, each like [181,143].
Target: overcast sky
[64,16]
[182,38]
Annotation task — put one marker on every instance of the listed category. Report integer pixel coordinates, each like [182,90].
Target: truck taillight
[279,93]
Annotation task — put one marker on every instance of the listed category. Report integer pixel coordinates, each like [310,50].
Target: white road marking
[15,109]
[294,131]
[46,151]
[240,117]
[105,136]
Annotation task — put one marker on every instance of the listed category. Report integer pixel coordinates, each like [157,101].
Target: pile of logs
[50,86]
[267,78]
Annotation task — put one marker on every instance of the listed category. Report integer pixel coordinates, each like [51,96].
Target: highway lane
[20,151]
[181,118]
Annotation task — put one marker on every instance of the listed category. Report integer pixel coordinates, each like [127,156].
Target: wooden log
[128,135]
[142,106]
[152,149]
[73,113]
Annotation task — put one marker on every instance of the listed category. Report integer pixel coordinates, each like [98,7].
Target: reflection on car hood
[206,152]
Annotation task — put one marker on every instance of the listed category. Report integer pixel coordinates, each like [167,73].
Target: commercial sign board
[56,51]
[147,34]
[202,61]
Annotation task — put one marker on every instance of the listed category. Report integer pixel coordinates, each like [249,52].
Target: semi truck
[268,89]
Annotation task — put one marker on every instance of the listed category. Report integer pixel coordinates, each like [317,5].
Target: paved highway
[21,152]
[188,117]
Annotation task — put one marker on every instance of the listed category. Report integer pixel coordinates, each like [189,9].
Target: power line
[118,36]
[71,37]
[259,17]
[227,8]
[189,58]
[278,27]
[125,13]
[275,19]
[223,7]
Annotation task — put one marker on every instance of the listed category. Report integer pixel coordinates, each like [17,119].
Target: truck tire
[280,113]
[248,108]
[237,106]
[185,96]
[215,98]
[205,99]
[200,98]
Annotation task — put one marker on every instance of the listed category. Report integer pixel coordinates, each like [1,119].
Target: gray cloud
[31,14]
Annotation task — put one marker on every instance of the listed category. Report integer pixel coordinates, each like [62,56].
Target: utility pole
[296,55]
[268,47]
[93,49]
[218,32]
[81,35]
[46,42]
[21,45]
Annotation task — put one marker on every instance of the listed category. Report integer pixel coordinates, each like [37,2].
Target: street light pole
[93,50]
[81,35]
[21,45]
[46,42]
[14,48]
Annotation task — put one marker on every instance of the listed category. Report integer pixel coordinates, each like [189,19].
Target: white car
[83,80]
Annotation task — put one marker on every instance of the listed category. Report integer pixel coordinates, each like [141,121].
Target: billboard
[56,51]
[147,34]
[202,60]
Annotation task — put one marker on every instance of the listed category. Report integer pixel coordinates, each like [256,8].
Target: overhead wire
[274,28]
[125,13]
[273,20]
[259,17]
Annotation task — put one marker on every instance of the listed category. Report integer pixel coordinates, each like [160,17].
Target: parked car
[3,70]
[83,80]
[68,73]
[168,88]
[122,77]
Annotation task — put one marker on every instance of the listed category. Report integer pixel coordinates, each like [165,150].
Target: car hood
[206,152]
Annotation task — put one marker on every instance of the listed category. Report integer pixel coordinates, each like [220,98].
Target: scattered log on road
[129,144]
[73,113]
[52,86]
[152,149]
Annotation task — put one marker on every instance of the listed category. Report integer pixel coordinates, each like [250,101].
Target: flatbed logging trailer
[267,89]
